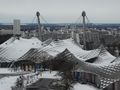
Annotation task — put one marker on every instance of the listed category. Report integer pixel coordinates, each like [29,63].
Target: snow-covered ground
[7,82]
[5,70]
[10,71]
[79,86]
[48,74]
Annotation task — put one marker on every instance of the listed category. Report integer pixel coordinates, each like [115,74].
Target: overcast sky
[60,11]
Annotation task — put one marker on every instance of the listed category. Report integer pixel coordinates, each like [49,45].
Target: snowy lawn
[7,82]
[33,77]
[10,71]
[79,86]
[6,70]
[47,74]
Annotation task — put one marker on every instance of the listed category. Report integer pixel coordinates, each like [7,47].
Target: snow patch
[79,86]
[7,82]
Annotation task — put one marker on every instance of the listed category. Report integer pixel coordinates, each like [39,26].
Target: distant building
[16,27]
[5,32]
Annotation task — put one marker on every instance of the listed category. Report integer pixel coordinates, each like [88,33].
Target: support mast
[39,26]
[84,40]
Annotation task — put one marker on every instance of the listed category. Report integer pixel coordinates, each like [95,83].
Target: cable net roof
[53,48]
[106,66]
[13,49]
[108,73]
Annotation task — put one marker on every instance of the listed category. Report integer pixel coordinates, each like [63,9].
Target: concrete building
[16,27]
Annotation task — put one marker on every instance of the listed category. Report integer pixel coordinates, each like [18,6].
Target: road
[41,84]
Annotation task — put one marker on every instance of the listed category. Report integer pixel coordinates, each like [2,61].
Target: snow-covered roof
[53,48]
[108,73]
[36,56]
[104,57]
[22,49]
[31,49]
[116,60]
[14,48]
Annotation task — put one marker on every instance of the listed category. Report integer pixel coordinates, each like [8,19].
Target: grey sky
[60,11]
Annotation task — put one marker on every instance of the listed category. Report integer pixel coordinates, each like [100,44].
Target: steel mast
[39,26]
[84,40]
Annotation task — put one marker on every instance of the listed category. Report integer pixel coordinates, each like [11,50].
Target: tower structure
[39,26]
[84,40]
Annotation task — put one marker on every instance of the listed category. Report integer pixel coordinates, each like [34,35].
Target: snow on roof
[116,60]
[18,48]
[57,47]
[33,48]
[108,73]
[53,48]
[22,47]
[104,57]
[35,56]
